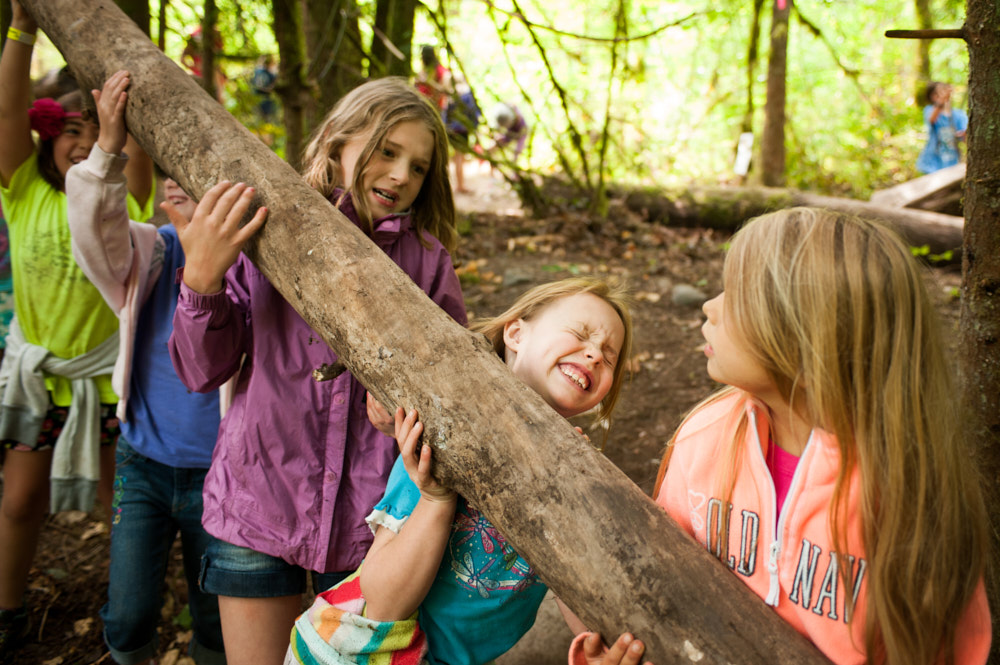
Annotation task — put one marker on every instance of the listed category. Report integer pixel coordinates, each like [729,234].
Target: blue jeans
[152,503]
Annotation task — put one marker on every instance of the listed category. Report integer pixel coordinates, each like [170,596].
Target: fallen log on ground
[727,208]
[605,548]
[940,191]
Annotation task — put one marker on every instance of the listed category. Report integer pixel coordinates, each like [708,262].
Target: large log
[602,545]
[728,207]
[934,191]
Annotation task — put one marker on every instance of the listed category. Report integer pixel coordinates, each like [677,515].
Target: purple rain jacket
[297,465]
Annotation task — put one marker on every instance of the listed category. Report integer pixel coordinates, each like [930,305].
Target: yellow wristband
[20,36]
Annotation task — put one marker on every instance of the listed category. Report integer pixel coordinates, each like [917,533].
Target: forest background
[634,93]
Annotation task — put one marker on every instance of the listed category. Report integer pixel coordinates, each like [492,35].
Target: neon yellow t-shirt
[56,305]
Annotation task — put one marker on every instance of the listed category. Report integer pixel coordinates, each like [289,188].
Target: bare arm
[400,568]
[15,96]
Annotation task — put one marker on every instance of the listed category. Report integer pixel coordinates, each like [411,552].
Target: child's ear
[512,331]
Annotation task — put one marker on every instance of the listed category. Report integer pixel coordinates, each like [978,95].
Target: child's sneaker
[14,627]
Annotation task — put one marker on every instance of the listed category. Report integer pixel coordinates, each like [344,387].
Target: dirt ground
[502,254]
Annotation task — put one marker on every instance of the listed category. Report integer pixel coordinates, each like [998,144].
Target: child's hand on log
[417,458]
[21,19]
[379,416]
[213,239]
[110,104]
[625,651]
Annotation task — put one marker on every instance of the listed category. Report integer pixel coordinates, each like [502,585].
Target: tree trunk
[392,44]
[333,42]
[6,14]
[291,85]
[753,48]
[608,551]
[772,143]
[979,354]
[751,70]
[161,35]
[924,22]
[138,11]
[208,32]
[728,207]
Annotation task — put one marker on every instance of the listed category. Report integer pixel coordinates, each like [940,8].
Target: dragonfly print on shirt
[482,559]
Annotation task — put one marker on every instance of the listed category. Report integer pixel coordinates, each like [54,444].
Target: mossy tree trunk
[209,21]
[392,44]
[772,142]
[924,22]
[728,208]
[980,319]
[333,45]
[291,85]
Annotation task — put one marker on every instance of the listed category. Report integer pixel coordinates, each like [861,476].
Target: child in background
[461,118]
[435,553]
[57,412]
[510,126]
[298,465]
[434,80]
[167,432]
[831,475]
[945,128]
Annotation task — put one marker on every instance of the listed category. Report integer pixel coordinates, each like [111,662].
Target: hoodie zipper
[774,550]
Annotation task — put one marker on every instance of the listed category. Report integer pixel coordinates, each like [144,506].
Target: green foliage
[924,251]
[677,96]
[851,124]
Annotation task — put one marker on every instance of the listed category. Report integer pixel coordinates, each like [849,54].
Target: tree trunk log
[979,353]
[727,208]
[291,87]
[333,44]
[604,547]
[772,142]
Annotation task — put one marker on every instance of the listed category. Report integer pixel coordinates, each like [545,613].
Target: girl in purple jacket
[298,465]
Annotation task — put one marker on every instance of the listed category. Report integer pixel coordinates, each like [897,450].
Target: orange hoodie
[787,561]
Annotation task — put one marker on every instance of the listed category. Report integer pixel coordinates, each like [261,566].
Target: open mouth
[577,377]
[385,198]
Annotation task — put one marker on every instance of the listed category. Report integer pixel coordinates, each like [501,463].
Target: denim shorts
[240,572]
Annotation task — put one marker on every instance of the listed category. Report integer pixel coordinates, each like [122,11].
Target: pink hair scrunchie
[48,117]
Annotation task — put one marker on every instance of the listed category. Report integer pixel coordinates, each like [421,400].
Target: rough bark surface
[729,207]
[979,352]
[601,544]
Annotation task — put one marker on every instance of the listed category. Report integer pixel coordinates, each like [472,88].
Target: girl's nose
[593,352]
[401,173]
[710,307]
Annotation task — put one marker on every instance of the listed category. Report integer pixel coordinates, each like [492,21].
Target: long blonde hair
[835,309]
[375,108]
[533,301]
